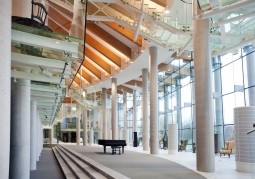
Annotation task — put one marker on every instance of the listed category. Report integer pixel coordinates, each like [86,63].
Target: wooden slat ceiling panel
[91,68]
[126,89]
[85,75]
[103,50]
[97,60]
[129,34]
[69,100]
[160,2]
[108,38]
[134,83]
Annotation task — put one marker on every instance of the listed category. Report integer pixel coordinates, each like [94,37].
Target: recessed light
[57,42]
[167,11]
[131,61]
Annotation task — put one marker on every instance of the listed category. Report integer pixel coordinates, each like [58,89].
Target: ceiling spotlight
[167,11]
[131,61]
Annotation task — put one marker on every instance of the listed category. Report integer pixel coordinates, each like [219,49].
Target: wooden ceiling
[100,61]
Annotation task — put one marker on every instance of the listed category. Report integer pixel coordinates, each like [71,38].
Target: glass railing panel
[38,51]
[44,33]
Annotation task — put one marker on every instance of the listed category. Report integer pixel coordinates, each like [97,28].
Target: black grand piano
[112,143]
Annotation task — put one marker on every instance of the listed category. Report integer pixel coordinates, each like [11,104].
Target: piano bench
[115,149]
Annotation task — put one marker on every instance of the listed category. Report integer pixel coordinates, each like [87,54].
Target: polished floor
[137,165]
[47,167]
[224,166]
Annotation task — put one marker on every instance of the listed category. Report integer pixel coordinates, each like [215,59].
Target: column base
[245,167]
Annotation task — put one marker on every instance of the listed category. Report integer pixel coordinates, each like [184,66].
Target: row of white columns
[26,141]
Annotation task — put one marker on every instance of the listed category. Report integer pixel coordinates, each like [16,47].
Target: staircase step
[73,167]
[83,166]
[66,171]
[105,171]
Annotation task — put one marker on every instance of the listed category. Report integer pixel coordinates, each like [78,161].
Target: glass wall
[233,77]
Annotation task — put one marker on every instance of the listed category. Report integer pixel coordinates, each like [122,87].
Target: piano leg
[123,149]
[104,149]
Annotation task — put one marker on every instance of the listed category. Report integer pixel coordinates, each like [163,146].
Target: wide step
[95,169]
[66,171]
[92,173]
[72,166]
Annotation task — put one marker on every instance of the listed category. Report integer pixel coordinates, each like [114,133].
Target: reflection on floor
[224,166]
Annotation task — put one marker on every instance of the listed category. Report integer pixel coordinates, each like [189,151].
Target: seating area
[229,149]
[183,145]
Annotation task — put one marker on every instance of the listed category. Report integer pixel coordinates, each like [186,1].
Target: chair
[41,12]
[183,145]
[229,149]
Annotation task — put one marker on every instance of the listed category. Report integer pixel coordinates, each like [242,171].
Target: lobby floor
[224,166]
[137,165]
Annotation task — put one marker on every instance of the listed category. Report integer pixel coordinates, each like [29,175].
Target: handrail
[251,131]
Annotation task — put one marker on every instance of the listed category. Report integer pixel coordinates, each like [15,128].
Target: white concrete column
[5,75]
[85,130]
[172,138]
[218,102]
[51,134]
[104,115]
[244,144]
[166,106]
[100,125]
[33,110]
[250,65]
[78,130]
[41,135]
[109,125]
[154,148]
[91,137]
[125,134]
[20,130]
[38,151]
[145,109]
[203,95]
[134,112]
[114,109]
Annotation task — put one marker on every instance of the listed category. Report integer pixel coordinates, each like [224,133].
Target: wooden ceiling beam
[165,67]
[92,69]
[134,83]
[85,75]
[91,55]
[126,89]
[184,56]
[68,100]
[129,34]
[103,50]
[110,39]
[109,91]
[160,2]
